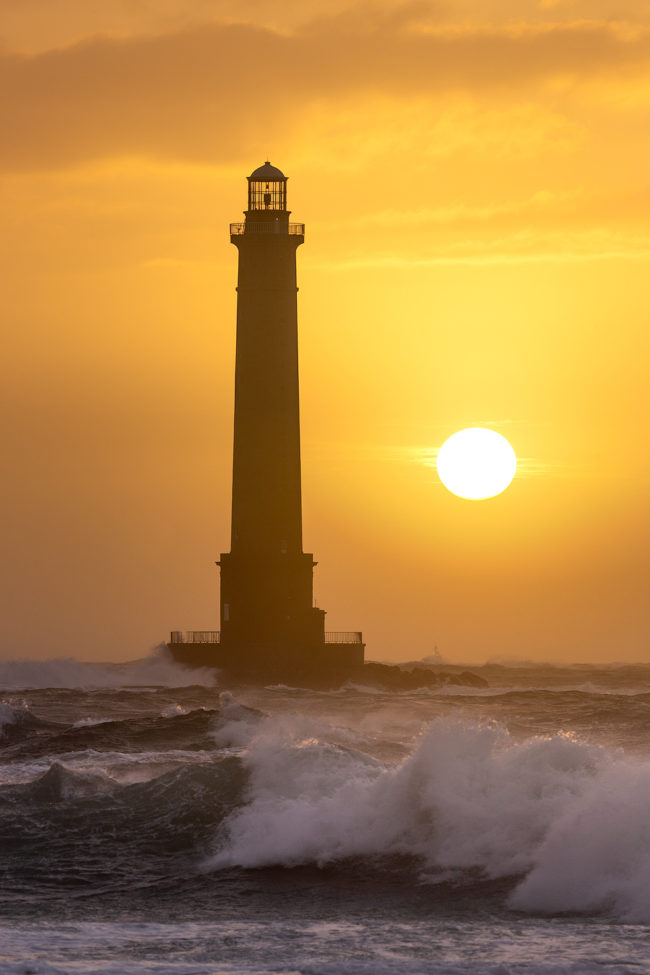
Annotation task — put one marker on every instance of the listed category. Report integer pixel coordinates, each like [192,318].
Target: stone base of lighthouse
[325,664]
[270,631]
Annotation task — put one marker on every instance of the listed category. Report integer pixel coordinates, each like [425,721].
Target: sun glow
[476,463]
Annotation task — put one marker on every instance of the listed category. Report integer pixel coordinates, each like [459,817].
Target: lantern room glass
[267,194]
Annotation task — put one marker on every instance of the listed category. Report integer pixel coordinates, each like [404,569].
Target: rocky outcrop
[394,677]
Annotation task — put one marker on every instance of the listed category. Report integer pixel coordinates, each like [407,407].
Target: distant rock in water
[394,677]
[389,677]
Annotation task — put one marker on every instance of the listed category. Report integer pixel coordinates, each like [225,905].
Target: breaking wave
[562,825]
[569,822]
[157,670]
[17,722]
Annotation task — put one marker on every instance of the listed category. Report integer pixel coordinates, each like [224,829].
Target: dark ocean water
[151,822]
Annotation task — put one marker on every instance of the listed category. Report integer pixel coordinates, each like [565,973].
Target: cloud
[40,25]
[571,225]
[216,92]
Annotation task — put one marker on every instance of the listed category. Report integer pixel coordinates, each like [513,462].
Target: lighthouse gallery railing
[214,636]
[270,227]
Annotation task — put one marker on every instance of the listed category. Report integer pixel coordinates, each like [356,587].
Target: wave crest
[568,820]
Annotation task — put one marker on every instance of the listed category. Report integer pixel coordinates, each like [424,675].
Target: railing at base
[195,636]
[350,637]
[214,636]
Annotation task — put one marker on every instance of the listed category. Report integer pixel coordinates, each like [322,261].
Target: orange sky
[474,180]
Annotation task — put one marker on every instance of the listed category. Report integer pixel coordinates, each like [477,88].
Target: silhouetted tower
[269,625]
[266,579]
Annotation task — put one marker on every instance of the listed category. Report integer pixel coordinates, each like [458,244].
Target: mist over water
[143,808]
[71,673]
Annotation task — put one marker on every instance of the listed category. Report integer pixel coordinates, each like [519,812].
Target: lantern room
[267,188]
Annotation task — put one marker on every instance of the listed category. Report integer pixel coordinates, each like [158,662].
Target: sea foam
[156,670]
[568,821]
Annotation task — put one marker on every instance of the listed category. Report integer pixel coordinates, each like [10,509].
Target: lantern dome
[266,172]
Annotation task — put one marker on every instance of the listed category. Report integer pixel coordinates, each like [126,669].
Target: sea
[155,820]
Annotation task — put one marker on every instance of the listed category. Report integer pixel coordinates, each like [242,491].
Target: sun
[476,463]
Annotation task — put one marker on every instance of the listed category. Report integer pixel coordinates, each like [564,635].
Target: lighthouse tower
[266,579]
[269,625]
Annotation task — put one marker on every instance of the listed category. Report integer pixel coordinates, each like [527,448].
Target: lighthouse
[269,626]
